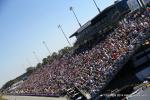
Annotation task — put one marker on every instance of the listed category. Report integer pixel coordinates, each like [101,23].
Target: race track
[32,98]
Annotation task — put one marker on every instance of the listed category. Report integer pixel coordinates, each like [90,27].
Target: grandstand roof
[93,20]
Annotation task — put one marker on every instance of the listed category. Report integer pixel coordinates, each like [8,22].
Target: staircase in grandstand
[74,93]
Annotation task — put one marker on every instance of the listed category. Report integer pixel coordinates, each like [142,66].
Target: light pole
[46,47]
[36,57]
[71,9]
[59,26]
[96,6]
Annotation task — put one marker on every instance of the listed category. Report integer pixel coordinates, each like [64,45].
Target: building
[102,23]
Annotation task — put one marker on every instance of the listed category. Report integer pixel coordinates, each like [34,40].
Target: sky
[24,24]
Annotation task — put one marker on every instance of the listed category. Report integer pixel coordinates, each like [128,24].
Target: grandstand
[102,23]
[91,70]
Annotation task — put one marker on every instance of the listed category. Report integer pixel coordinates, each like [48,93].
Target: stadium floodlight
[97,6]
[36,57]
[46,47]
[59,26]
[71,9]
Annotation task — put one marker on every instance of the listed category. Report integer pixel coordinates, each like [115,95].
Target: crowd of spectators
[90,70]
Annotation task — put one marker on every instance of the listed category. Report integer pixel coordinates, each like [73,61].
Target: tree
[8,84]
[65,50]
[54,55]
[30,69]
[39,65]
[45,61]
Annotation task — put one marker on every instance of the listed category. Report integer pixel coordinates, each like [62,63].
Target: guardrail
[34,94]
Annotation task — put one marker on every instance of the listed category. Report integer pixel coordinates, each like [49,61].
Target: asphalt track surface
[32,98]
[141,95]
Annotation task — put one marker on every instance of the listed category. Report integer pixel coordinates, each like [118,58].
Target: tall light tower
[36,57]
[59,26]
[97,6]
[71,9]
[46,47]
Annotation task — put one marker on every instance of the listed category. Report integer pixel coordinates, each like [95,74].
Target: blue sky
[24,24]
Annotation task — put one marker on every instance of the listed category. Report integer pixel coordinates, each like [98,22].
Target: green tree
[45,61]
[65,50]
[30,69]
[39,65]
[54,55]
[8,84]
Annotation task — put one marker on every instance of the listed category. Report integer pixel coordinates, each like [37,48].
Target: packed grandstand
[91,70]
